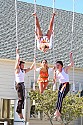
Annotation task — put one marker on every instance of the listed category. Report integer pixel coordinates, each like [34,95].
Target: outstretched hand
[54,68]
[71,55]
[34,14]
[54,14]
[17,55]
[17,51]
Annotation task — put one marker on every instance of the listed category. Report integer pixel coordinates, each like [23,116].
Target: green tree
[72,105]
[72,108]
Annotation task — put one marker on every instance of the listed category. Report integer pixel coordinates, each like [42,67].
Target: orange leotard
[43,41]
[43,77]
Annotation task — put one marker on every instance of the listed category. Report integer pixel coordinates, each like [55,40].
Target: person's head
[44,47]
[59,65]
[21,64]
[44,63]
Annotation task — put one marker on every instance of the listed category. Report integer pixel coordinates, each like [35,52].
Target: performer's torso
[62,76]
[20,76]
[43,76]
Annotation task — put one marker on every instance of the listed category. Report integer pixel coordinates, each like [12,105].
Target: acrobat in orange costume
[43,80]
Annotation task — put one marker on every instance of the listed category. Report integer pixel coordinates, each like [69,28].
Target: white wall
[7,78]
[78,78]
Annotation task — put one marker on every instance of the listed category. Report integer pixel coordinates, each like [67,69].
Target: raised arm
[30,68]
[71,63]
[17,68]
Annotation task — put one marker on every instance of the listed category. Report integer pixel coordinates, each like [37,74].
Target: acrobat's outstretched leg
[38,32]
[42,87]
[50,29]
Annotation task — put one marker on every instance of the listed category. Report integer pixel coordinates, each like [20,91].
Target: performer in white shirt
[62,75]
[19,79]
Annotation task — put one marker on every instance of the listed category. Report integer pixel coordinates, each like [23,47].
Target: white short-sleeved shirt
[19,77]
[62,76]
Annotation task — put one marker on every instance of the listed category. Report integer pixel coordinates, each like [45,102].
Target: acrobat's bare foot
[57,114]
[21,115]
[59,119]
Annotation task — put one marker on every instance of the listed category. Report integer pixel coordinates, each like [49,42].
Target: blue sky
[60,4]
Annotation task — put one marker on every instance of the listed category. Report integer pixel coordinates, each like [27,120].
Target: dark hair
[44,60]
[60,62]
[46,46]
[21,62]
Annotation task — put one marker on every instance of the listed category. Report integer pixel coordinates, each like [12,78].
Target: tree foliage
[72,105]
[72,108]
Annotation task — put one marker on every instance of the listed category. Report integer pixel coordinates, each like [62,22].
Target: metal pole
[54,86]
[53,32]
[35,47]
[72,43]
[16,23]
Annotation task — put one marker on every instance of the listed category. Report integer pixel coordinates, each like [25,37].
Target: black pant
[20,87]
[62,95]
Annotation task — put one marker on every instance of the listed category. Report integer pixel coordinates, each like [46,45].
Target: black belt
[19,82]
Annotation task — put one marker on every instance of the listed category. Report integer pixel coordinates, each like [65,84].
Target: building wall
[26,36]
[26,27]
[7,78]
[78,79]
